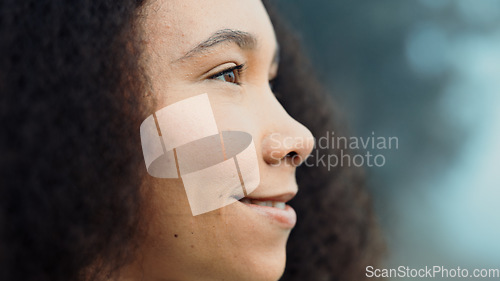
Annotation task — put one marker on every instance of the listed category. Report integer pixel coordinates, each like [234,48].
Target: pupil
[230,77]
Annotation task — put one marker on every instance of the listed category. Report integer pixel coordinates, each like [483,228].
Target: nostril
[293,158]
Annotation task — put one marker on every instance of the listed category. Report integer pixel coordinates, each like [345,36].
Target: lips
[274,208]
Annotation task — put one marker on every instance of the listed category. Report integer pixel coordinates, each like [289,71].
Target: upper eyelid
[240,68]
[227,70]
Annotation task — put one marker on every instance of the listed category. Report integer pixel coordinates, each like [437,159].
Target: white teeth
[260,203]
[275,204]
[279,205]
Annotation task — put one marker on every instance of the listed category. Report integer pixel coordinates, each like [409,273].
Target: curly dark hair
[72,98]
[70,88]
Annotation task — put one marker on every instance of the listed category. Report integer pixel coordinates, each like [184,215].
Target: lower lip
[284,217]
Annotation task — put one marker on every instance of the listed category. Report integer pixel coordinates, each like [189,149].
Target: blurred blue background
[428,72]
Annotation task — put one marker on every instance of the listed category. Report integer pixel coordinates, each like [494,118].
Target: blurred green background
[428,72]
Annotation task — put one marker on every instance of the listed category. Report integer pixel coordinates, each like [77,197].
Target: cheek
[236,119]
[219,243]
[167,197]
[241,112]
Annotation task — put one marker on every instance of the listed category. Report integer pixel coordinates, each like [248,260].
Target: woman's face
[240,241]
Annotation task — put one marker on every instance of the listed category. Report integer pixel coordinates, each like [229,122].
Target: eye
[230,75]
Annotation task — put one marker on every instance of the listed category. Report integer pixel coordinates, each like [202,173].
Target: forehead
[173,27]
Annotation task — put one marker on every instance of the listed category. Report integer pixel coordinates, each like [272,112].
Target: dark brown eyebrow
[243,39]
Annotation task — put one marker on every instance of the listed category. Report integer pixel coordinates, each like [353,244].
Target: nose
[287,141]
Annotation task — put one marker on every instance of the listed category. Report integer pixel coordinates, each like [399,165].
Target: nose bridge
[284,136]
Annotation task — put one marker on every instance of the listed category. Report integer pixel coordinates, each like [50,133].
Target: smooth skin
[235,242]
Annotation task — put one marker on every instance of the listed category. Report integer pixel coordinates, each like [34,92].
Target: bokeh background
[428,72]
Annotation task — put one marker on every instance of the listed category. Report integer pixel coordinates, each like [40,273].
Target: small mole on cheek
[175,235]
[192,246]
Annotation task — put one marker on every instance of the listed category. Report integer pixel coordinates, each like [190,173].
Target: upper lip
[285,197]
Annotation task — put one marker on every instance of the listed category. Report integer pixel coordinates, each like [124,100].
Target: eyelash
[238,71]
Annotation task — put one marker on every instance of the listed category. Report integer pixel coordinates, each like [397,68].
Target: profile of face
[229,51]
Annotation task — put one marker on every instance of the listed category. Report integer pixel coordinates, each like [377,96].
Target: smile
[275,204]
[277,211]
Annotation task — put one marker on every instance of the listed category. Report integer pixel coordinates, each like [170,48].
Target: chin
[269,267]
